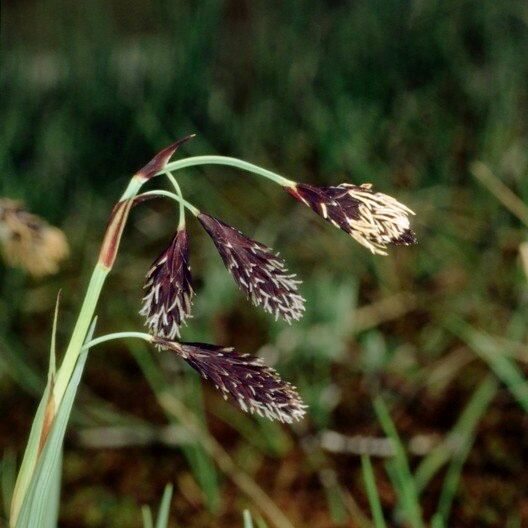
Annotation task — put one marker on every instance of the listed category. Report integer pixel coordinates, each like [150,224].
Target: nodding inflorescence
[259,272]
[255,387]
[373,219]
[169,292]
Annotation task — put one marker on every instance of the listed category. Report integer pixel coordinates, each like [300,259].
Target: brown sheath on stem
[113,233]
[120,212]
[159,161]
[49,416]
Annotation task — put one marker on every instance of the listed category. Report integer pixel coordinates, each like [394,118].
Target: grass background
[406,95]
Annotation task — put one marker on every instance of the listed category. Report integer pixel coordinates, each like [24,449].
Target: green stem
[473,412]
[133,188]
[232,162]
[79,332]
[176,186]
[86,314]
[372,492]
[117,335]
[407,488]
[160,192]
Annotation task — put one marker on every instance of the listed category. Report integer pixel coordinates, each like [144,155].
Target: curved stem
[232,162]
[160,192]
[117,335]
[176,186]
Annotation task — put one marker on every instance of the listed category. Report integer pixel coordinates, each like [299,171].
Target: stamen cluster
[374,219]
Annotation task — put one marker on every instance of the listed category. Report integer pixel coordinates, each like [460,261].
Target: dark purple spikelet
[169,292]
[256,270]
[374,219]
[255,387]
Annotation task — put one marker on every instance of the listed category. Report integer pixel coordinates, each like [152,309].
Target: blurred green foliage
[402,94]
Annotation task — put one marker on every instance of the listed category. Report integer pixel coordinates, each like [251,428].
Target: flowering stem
[232,162]
[117,335]
[176,186]
[160,192]
[86,314]
[133,187]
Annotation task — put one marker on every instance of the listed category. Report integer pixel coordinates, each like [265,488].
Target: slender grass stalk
[81,327]
[164,509]
[470,417]
[38,505]
[7,478]
[97,280]
[372,492]
[248,520]
[460,433]
[437,522]
[176,185]
[146,514]
[409,495]
[160,192]
[232,162]
[118,335]
[503,193]
[504,368]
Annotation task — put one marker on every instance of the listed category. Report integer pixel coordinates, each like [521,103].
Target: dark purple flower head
[167,303]
[257,270]
[159,161]
[255,387]
[374,219]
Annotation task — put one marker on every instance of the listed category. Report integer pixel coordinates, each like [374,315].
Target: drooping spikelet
[28,241]
[374,219]
[256,270]
[169,291]
[255,387]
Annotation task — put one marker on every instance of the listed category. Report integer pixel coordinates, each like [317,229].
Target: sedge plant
[373,219]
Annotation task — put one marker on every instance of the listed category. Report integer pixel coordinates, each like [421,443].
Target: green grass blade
[146,514]
[372,492]
[400,512]
[461,432]
[164,509]
[334,500]
[437,522]
[53,347]
[29,460]
[31,452]
[7,479]
[261,523]
[248,520]
[51,511]
[478,404]
[407,488]
[44,480]
[504,368]
[37,499]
